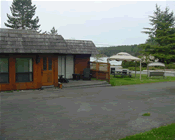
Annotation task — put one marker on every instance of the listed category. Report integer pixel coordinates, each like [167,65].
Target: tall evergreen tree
[22,14]
[161,36]
[53,31]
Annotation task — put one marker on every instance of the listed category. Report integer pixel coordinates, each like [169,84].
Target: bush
[129,64]
[132,64]
[137,68]
[170,66]
[152,68]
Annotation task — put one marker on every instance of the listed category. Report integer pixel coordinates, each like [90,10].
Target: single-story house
[29,60]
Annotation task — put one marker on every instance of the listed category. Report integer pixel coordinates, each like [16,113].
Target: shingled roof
[81,46]
[29,41]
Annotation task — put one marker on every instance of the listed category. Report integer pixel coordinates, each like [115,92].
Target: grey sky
[105,22]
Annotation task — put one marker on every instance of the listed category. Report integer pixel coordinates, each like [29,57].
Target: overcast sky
[103,22]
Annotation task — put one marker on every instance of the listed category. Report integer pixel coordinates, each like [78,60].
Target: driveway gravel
[97,113]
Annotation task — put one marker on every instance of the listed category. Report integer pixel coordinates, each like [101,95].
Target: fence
[100,70]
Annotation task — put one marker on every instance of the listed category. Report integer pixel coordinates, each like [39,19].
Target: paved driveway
[90,114]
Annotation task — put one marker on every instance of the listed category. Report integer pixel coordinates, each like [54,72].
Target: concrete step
[82,85]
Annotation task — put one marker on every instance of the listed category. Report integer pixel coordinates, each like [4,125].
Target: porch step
[81,84]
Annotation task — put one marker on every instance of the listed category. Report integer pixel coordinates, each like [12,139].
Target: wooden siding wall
[36,83]
[80,63]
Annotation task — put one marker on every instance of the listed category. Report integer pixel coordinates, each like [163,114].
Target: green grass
[162,133]
[146,114]
[118,80]
[96,79]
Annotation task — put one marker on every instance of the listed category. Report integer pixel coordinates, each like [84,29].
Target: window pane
[31,77]
[30,65]
[24,77]
[4,78]
[50,63]
[23,65]
[3,64]
[44,63]
[24,69]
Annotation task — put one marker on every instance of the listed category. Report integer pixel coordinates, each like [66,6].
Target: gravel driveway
[86,114]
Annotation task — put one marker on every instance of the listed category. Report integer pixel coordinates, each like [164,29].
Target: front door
[47,71]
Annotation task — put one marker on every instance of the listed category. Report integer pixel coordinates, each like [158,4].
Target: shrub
[129,64]
[137,68]
[170,66]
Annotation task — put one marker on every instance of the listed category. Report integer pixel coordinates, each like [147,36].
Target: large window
[24,70]
[4,70]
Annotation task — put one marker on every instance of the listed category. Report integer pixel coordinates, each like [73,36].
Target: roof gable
[82,46]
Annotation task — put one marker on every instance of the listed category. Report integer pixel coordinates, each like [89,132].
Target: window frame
[24,72]
[5,72]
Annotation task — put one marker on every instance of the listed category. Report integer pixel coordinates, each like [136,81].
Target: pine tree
[22,14]
[53,31]
[161,36]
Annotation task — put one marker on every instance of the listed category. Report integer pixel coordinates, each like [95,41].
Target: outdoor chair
[86,74]
[158,73]
[124,73]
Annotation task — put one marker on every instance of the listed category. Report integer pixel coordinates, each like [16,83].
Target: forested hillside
[109,51]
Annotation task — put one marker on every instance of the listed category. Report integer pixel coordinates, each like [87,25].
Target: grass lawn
[162,133]
[118,80]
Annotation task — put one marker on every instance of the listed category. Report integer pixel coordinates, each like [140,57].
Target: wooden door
[47,71]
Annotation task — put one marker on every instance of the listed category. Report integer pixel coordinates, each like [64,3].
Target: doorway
[47,71]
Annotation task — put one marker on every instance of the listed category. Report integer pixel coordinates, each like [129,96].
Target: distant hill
[109,51]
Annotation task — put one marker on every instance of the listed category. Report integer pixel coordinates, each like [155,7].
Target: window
[47,63]
[24,70]
[50,63]
[4,71]
[44,63]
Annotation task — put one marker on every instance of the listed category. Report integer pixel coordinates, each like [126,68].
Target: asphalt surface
[86,114]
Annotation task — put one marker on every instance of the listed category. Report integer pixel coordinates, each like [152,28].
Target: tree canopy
[22,14]
[53,31]
[161,42]
[109,51]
